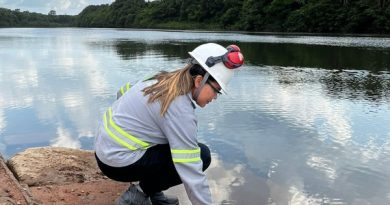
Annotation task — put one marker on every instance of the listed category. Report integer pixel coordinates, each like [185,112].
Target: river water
[306,120]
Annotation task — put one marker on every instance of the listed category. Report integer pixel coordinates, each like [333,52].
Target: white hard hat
[218,71]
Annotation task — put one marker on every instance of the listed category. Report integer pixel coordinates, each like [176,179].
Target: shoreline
[260,33]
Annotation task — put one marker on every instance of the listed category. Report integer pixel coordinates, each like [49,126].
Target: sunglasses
[232,59]
[216,91]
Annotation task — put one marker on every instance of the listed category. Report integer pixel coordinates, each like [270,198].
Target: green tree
[95,16]
[124,12]
[253,14]
[277,12]
[52,13]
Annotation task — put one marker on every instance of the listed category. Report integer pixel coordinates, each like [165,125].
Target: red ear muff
[232,59]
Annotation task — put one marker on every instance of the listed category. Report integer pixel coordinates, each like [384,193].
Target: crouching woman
[149,134]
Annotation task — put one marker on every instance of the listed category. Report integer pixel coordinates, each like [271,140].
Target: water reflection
[317,56]
[290,132]
[351,84]
[358,85]
[291,55]
[310,134]
[234,184]
[50,86]
[130,50]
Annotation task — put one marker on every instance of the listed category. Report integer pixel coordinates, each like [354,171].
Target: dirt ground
[101,192]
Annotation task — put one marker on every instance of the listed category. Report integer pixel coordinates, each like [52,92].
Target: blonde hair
[169,86]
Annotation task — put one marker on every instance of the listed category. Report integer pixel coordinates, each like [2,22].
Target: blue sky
[71,7]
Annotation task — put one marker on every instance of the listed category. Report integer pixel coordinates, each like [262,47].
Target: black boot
[159,198]
[133,196]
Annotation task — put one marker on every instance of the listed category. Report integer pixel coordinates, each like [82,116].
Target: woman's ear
[197,81]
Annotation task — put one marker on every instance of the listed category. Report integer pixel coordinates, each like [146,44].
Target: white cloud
[65,139]
[2,120]
[71,7]
[323,165]
[222,180]
[299,197]
[62,6]
[374,150]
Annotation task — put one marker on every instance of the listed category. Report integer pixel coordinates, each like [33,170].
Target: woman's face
[208,92]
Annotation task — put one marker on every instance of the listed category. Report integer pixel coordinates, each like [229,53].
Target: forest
[309,16]
[17,18]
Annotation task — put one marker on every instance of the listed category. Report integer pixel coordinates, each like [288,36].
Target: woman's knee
[205,155]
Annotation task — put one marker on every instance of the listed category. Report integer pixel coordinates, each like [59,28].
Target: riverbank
[61,176]
[55,176]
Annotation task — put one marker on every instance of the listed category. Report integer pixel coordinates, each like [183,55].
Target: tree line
[17,18]
[314,16]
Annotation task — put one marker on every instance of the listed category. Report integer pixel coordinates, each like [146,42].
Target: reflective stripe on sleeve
[121,136]
[185,156]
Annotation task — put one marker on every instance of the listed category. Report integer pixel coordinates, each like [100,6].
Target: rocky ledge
[54,175]
[54,165]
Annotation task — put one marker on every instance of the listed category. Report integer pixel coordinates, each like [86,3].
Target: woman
[149,133]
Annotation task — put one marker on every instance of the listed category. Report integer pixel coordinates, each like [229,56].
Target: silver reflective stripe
[185,156]
[121,136]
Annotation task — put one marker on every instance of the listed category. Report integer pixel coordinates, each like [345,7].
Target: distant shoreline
[219,31]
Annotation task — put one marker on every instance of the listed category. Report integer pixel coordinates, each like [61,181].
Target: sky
[70,7]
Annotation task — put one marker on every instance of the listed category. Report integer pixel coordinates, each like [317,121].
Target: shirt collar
[193,103]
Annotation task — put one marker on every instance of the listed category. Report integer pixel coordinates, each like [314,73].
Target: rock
[4,193]
[54,165]
[6,201]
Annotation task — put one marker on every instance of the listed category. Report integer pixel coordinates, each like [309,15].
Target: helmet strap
[198,89]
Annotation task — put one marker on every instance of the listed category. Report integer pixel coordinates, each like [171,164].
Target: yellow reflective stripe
[185,151]
[125,88]
[176,160]
[185,155]
[122,132]
[116,138]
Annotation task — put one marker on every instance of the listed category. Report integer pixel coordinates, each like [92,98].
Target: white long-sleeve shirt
[178,127]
